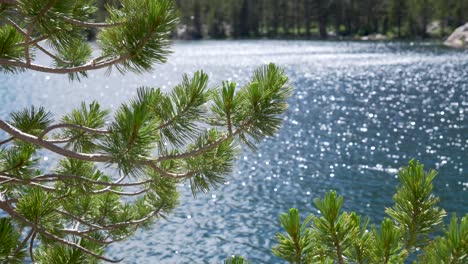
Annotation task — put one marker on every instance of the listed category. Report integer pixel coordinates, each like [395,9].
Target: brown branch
[48,178]
[120,193]
[73,126]
[47,234]
[90,24]
[10,2]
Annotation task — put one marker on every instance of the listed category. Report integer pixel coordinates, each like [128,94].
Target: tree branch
[48,178]
[120,193]
[47,145]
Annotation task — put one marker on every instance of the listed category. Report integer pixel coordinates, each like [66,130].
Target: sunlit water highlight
[360,111]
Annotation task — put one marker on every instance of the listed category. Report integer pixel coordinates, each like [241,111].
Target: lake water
[359,112]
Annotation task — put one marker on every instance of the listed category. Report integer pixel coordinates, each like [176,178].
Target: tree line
[319,18]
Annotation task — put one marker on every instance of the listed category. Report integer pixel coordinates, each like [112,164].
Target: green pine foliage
[11,249]
[411,230]
[112,173]
[450,248]
[9,48]
[236,260]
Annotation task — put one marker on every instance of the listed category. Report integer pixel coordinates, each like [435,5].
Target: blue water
[359,112]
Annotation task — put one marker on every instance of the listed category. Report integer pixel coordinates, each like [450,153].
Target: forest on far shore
[219,19]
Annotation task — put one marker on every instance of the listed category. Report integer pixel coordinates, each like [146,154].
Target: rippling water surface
[360,111]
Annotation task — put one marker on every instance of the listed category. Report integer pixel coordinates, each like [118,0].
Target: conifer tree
[149,145]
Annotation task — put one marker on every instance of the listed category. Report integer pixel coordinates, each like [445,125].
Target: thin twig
[31,246]
[201,150]
[76,218]
[73,126]
[6,141]
[127,223]
[90,24]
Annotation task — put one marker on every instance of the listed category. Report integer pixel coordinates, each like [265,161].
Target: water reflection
[360,111]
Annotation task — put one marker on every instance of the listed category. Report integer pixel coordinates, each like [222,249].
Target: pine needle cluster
[411,230]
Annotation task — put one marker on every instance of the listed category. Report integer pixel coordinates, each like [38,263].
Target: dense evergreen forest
[318,18]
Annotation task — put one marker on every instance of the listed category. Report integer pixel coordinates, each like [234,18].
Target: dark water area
[360,111]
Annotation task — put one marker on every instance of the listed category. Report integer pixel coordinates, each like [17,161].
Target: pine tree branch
[49,235]
[87,67]
[56,177]
[104,158]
